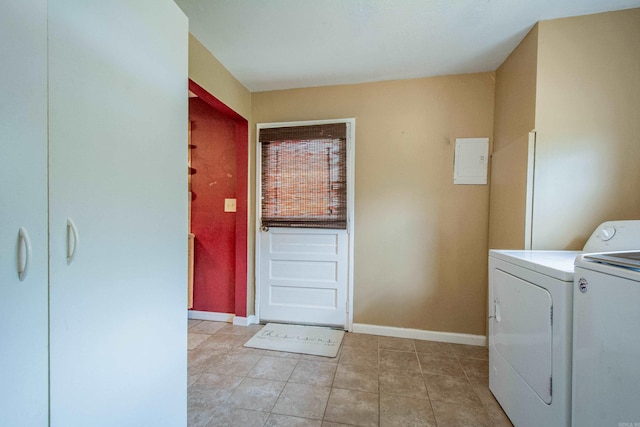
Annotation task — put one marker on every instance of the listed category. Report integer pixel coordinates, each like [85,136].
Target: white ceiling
[281,44]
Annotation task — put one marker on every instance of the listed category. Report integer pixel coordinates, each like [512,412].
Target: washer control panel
[614,236]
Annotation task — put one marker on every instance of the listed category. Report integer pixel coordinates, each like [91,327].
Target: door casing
[351,136]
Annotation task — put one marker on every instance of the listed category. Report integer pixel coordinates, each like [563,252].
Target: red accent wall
[214,159]
[220,265]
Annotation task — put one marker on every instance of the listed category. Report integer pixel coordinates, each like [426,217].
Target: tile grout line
[379,391]
[433,412]
[281,391]
[472,386]
[333,380]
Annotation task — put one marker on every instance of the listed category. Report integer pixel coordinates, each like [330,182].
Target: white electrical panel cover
[471,161]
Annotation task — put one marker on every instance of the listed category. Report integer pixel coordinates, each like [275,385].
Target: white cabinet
[117,113]
[23,204]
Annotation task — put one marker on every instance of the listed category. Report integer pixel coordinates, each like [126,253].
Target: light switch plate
[229,205]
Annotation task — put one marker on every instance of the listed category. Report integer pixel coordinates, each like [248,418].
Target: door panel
[293,270]
[23,201]
[290,243]
[522,330]
[303,276]
[118,156]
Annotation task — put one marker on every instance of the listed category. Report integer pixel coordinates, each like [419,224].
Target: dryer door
[523,331]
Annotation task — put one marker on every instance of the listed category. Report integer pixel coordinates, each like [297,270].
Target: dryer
[530,326]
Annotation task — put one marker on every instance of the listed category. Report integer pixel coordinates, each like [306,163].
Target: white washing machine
[606,345]
[530,326]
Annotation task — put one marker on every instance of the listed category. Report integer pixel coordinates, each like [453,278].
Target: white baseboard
[208,315]
[223,317]
[245,321]
[419,334]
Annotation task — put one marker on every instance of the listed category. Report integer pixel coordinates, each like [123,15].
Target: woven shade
[304,176]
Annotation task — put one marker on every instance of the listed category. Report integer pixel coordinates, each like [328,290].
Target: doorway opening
[218,156]
[304,222]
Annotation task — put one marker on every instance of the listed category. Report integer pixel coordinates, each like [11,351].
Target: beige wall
[208,72]
[211,75]
[420,241]
[420,249]
[578,79]
[514,119]
[588,123]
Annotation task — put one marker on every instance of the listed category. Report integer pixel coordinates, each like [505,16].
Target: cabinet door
[23,204]
[118,172]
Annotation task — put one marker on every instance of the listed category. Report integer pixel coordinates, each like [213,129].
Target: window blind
[304,176]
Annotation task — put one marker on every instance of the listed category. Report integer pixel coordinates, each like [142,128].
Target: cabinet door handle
[24,253]
[498,311]
[72,237]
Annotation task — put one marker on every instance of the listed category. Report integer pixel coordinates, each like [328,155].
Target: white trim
[223,317]
[245,321]
[528,210]
[351,163]
[419,334]
[351,191]
[208,315]
[257,214]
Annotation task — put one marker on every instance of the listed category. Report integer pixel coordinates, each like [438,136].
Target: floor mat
[313,340]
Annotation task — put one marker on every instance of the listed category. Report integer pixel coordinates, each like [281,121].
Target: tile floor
[374,381]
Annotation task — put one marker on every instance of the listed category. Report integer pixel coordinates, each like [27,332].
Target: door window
[304,176]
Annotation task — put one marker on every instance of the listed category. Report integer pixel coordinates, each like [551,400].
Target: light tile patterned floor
[374,381]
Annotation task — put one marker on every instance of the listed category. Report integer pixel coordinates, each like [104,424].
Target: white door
[304,273]
[303,276]
[522,329]
[23,214]
[118,212]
